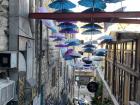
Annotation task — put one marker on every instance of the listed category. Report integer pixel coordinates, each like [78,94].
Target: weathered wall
[3,25]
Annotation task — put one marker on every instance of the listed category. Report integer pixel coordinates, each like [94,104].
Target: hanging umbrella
[113,1]
[57,35]
[89,46]
[91,32]
[58,39]
[92,26]
[67,25]
[88,50]
[91,10]
[68,52]
[93,3]
[87,60]
[91,42]
[75,54]
[68,30]
[64,11]
[87,65]
[62,4]
[68,57]
[73,44]
[97,58]
[61,45]
[72,40]
[101,52]
[105,39]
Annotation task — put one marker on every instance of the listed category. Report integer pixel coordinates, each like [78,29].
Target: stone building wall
[3,25]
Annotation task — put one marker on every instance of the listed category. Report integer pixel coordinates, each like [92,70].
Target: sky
[131,5]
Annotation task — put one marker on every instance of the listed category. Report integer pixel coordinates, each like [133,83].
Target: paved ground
[83,93]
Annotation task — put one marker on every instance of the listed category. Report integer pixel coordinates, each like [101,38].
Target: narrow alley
[69,52]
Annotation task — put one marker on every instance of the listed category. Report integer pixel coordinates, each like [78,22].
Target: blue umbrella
[91,32]
[87,60]
[75,54]
[91,10]
[73,44]
[72,40]
[105,39]
[93,3]
[91,42]
[69,31]
[62,4]
[89,46]
[113,1]
[87,65]
[63,11]
[92,26]
[101,52]
[67,25]
[88,50]
[68,57]
[58,39]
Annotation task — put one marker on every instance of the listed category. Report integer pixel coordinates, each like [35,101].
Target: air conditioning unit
[8,59]
[7,88]
[133,103]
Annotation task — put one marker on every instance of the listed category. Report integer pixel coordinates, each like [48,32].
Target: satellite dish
[92,86]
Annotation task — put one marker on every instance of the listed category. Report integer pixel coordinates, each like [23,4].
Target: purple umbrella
[69,51]
[61,45]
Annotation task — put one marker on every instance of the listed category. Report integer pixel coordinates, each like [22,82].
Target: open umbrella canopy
[72,40]
[58,39]
[68,52]
[92,26]
[61,45]
[87,65]
[91,42]
[105,39]
[73,44]
[62,4]
[63,11]
[91,10]
[87,60]
[98,58]
[93,3]
[91,32]
[113,1]
[101,52]
[67,25]
[75,54]
[57,35]
[89,46]
[88,50]
[69,31]
[68,57]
